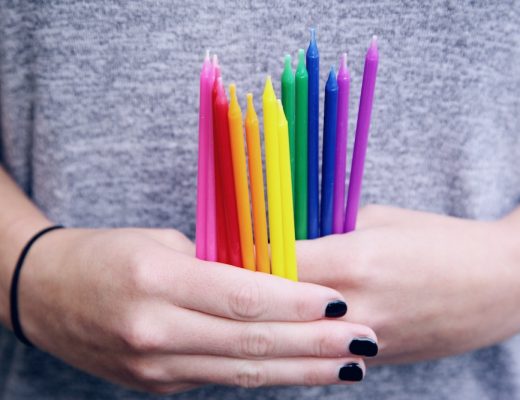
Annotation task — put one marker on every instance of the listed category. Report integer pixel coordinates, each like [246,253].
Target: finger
[204,334]
[167,371]
[239,294]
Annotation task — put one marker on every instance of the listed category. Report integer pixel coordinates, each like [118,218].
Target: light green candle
[288,100]
[300,194]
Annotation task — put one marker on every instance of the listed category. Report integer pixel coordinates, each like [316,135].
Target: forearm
[20,219]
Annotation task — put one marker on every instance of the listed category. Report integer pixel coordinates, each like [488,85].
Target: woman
[98,128]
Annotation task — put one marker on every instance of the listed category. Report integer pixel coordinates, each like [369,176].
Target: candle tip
[343,62]
[206,58]
[232,90]
[301,56]
[215,60]
[287,60]
[313,34]
[373,41]
[268,90]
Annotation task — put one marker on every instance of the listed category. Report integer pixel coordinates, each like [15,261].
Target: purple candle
[361,140]
[341,145]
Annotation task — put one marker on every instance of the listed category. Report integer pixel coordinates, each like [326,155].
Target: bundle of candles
[224,227]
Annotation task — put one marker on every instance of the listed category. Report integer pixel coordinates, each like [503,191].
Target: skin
[135,307]
[429,285]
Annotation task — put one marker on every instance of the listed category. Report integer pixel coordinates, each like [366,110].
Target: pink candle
[202,172]
[211,212]
[360,145]
[341,145]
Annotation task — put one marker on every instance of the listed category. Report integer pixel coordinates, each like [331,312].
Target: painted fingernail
[336,309]
[363,347]
[351,372]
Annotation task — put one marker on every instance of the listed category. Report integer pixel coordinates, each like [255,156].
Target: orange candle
[257,187]
[236,132]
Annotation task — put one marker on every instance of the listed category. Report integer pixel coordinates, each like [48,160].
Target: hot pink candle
[211,212]
[341,145]
[205,121]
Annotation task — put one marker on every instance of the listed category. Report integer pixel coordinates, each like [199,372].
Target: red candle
[224,169]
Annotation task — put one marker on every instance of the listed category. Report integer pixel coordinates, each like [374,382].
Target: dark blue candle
[329,153]
[313,68]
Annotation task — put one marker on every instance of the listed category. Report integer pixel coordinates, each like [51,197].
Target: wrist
[15,236]
[509,237]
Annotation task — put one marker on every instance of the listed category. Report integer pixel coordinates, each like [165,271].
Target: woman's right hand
[135,307]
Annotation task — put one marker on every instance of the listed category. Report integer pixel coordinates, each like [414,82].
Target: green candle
[288,99]
[300,203]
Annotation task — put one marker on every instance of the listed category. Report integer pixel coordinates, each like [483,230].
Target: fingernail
[336,309]
[351,372]
[363,347]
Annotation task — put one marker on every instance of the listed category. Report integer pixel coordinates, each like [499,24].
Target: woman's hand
[135,307]
[428,285]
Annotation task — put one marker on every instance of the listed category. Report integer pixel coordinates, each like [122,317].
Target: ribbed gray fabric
[98,113]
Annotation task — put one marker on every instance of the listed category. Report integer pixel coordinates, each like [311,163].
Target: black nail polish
[336,309]
[351,372]
[363,347]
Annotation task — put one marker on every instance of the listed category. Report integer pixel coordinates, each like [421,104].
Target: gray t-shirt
[98,114]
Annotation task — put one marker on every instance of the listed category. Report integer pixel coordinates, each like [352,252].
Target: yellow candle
[238,156]
[274,196]
[289,241]
[257,187]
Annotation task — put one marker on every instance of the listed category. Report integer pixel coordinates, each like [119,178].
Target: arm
[19,220]
[429,285]
[135,307]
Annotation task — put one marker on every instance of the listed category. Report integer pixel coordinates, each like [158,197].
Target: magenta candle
[341,145]
[211,212]
[361,140]
[205,118]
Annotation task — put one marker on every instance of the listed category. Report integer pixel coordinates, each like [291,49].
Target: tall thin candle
[341,145]
[288,101]
[223,151]
[202,168]
[313,69]
[289,247]
[329,152]
[361,140]
[223,255]
[300,202]
[211,212]
[274,196]
[257,187]
[236,132]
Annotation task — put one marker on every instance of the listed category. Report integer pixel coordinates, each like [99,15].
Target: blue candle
[329,153]
[313,68]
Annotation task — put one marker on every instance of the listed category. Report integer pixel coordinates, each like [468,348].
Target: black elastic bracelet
[15,318]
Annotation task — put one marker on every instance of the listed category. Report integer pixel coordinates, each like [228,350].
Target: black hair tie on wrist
[15,317]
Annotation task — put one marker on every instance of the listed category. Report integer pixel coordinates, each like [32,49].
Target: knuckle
[257,342]
[245,301]
[139,336]
[250,375]
[140,278]
[145,373]
[321,349]
[303,308]
[312,377]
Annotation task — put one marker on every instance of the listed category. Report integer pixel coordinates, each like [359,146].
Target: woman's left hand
[429,285]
